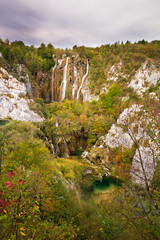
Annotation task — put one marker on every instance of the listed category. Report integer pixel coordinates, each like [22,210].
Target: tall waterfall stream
[53,69]
[64,83]
[83,80]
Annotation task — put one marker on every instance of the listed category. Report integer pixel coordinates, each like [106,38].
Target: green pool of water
[3,122]
[105,184]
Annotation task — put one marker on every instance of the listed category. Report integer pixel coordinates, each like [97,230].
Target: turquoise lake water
[105,184]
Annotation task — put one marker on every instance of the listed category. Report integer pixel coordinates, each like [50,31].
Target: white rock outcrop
[11,86]
[117,136]
[144,164]
[12,103]
[115,71]
[129,130]
[23,75]
[145,77]
[87,96]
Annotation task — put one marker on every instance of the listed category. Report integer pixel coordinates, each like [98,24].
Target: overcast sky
[65,23]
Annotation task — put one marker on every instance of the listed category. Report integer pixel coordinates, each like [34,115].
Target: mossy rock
[98,155]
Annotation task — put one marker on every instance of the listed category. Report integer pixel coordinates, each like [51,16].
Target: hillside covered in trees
[79,141]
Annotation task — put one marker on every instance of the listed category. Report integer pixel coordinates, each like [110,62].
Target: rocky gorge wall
[136,128]
[77,74]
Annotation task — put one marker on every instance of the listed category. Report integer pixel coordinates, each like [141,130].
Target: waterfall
[106,170]
[66,148]
[83,80]
[64,83]
[53,79]
[60,62]
[56,124]
[74,88]
[52,146]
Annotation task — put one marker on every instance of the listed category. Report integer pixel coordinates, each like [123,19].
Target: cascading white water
[66,148]
[64,83]
[52,146]
[83,80]
[74,88]
[60,62]
[53,69]
[56,124]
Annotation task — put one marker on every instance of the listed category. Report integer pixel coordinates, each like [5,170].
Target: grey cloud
[17,16]
[86,22]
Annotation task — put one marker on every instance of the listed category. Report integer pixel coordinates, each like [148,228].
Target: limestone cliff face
[131,130]
[78,78]
[23,75]
[13,102]
[49,85]
[76,70]
[147,75]
[41,86]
